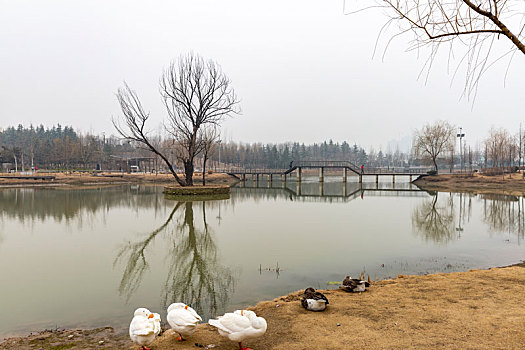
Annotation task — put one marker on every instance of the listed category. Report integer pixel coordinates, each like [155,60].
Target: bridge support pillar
[410,179]
[270,177]
[360,179]
[321,174]
[377,179]
[298,175]
[393,179]
[344,175]
[344,189]
[298,188]
[256,178]
[243,177]
[321,188]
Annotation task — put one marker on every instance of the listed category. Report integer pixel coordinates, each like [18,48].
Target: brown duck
[314,301]
[354,285]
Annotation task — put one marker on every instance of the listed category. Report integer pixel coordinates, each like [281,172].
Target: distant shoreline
[512,184]
[77,179]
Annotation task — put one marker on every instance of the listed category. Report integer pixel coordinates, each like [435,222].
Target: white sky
[303,70]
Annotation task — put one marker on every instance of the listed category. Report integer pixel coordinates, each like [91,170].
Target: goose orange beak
[150,316]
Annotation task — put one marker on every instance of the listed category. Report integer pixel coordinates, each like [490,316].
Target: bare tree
[433,140]
[500,148]
[472,24]
[135,119]
[196,94]
[87,148]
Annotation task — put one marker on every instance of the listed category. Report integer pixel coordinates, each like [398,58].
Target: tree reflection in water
[504,214]
[433,221]
[195,275]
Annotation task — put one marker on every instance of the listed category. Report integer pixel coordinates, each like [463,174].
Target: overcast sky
[303,70]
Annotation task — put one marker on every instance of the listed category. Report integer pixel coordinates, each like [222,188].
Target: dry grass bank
[480,309]
[83,179]
[512,184]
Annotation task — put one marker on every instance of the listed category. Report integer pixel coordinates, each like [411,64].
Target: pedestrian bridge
[296,170]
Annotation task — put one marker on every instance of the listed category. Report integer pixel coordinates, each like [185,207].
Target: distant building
[7,166]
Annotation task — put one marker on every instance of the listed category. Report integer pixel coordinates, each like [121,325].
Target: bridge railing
[325,163]
[396,170]
[253,171]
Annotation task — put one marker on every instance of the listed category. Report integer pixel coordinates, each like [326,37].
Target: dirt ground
[512,184]
[83,179]
[479,309]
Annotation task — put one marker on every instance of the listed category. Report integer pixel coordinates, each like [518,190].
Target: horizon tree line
[62,148]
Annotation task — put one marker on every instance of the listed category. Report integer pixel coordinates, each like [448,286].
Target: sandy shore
[513,184]
[84,179]
[479,309]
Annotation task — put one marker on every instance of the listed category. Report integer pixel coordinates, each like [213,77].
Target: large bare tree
[433,140]
[475,25]
[196,94]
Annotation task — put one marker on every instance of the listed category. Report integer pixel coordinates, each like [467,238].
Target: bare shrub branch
[472,25]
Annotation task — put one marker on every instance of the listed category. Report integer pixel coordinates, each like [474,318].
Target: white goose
[183,319]
[142,328]
[240,325]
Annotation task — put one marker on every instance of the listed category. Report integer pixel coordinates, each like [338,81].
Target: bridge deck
[288,171]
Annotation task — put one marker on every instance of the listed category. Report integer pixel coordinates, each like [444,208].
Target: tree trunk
[204,171]
[435,164]
[188,172]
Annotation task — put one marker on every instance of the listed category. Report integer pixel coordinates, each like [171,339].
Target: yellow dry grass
[511,184]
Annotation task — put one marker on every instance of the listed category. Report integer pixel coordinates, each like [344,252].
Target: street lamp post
[461,135]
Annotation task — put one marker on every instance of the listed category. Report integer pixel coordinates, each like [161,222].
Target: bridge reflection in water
[328,191]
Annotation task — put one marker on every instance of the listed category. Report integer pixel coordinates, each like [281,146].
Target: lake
[89,257]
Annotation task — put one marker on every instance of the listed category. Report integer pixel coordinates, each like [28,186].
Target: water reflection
[445,221]
[195,275]
[504,214]
[63,205]
[330,192]
[133,253]
[435,221]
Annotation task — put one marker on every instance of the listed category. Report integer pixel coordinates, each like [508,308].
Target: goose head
[175,306]
[142,311]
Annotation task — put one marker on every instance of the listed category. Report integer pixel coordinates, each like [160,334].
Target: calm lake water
[89,257]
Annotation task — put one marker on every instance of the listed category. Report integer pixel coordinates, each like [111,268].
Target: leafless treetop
[196,92]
